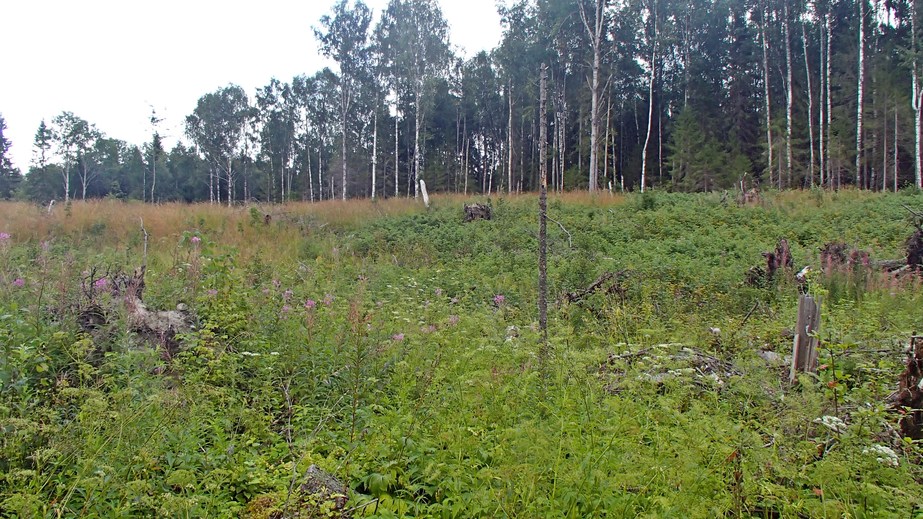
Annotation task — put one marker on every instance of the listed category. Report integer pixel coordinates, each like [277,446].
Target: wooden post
[804,348]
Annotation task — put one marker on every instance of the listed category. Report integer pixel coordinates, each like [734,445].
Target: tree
[75,139]
[413,36]
[9,176]
[216,126]
[345,39]
[596,28]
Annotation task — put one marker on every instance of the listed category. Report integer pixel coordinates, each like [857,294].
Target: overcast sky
[110,61]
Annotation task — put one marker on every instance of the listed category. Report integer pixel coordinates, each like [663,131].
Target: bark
[396,157]
[829,100]
[416,145]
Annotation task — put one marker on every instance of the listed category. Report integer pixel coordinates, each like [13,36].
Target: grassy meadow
[395,348]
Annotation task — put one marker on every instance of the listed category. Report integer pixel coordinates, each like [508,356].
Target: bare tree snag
[542,221]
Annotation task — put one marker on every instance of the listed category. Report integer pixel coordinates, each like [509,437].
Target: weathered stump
[804,345]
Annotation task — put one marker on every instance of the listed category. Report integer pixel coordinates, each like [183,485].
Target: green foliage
[400,357]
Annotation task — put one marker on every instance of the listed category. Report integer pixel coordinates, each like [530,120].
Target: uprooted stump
[908,399]
[776,260]
[155,327]
[664,362]
[320,496]
[477,212]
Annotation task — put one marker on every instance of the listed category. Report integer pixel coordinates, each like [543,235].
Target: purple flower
[328,299]
[212,292]
[195,240]
[499,299]
[287,295]
[4,236]
[101,283]
[438,292]
[398,337]
[276,283]
[310,303]
[453,320]
[286,309]
[428,329]
[19,282]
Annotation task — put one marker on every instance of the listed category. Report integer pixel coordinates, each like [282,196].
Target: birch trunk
[788,96]
[807,69]
[594,30]
[650,93]
[765,44]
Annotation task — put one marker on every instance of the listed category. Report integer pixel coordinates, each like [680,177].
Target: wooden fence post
[804,348]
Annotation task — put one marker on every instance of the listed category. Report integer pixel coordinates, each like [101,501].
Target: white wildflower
[883,455]
[832,422]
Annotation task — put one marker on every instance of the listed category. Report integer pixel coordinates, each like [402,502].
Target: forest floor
[378,359]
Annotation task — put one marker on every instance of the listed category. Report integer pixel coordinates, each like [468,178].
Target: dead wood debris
[609,282]
[158,328]
[908,399]
[664,362]
[477,212]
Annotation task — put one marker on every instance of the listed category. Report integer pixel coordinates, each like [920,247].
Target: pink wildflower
[310,304]
[101,283]
[195,240]
[428,329]
[453,320]
[499,299]
[397,337]
[287,295]
[212,292]
[286,309]
[4,236]
[19,282]
[438,292]
[328,299]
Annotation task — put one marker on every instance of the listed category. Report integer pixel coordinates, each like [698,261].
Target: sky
[112,61]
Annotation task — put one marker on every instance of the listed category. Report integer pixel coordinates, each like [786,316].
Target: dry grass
[114,224]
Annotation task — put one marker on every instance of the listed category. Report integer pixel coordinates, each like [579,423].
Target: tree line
[678,94]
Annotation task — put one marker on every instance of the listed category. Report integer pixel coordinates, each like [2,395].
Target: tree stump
[804,347]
